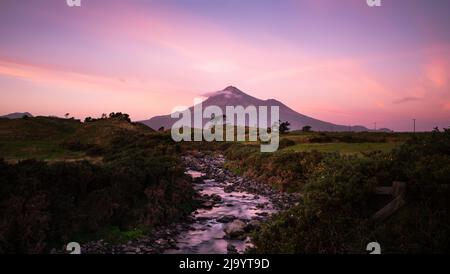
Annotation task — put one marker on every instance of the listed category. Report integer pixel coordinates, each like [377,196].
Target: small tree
[120,116]
[67,115]
[284,127]
[306,129]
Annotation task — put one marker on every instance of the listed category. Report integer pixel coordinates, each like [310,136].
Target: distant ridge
[17,115]
[232,96]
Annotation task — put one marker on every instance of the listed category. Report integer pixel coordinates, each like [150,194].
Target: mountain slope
[17,115]
[231,96]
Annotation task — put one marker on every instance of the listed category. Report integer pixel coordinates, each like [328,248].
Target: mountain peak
[232,89]
[228,92]
[232,96]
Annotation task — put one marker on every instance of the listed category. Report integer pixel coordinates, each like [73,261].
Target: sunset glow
[338,61]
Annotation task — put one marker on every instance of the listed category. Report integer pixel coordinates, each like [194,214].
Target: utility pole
[375,125]
[414,125]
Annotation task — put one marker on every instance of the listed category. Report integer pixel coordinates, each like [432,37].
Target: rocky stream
[230,208]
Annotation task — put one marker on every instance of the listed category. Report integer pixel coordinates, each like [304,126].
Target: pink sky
[338,61]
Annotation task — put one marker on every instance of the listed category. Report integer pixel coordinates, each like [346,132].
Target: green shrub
[334,216]
[140,183]
[285,142]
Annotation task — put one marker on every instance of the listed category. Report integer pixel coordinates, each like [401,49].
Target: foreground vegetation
[62,180]
[138,184]
[339,200]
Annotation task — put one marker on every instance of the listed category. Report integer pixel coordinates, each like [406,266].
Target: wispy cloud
[406,100]
[340,62]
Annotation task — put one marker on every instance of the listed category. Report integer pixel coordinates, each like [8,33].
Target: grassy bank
[58,197]
[344,148]
[337,181]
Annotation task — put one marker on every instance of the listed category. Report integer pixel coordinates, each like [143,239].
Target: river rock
[202,219]
[228,189]
[231,249]
[226,219]
[216,198]
[260,206]
[161,242]
[207,205]
[252,225]
[263,214]
[234,229]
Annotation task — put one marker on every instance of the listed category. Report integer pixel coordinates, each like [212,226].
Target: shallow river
[206,235]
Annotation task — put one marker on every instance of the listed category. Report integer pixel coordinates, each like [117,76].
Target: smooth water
[206,235]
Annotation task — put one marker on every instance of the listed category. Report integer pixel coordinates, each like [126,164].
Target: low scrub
[334,216]
[140,183]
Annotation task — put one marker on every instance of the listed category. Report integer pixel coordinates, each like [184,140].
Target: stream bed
[232,207]
[207,234]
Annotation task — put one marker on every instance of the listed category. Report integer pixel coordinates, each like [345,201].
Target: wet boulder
[235,229]
[228,189]
[231,249]
[226,219]
[216,198]
[207,205]
[252,225]
[202,219]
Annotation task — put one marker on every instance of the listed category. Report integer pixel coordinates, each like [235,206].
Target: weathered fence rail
[397,190]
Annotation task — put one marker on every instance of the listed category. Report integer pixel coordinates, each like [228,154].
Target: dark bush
[140,183]
[284,142]
[338,203]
